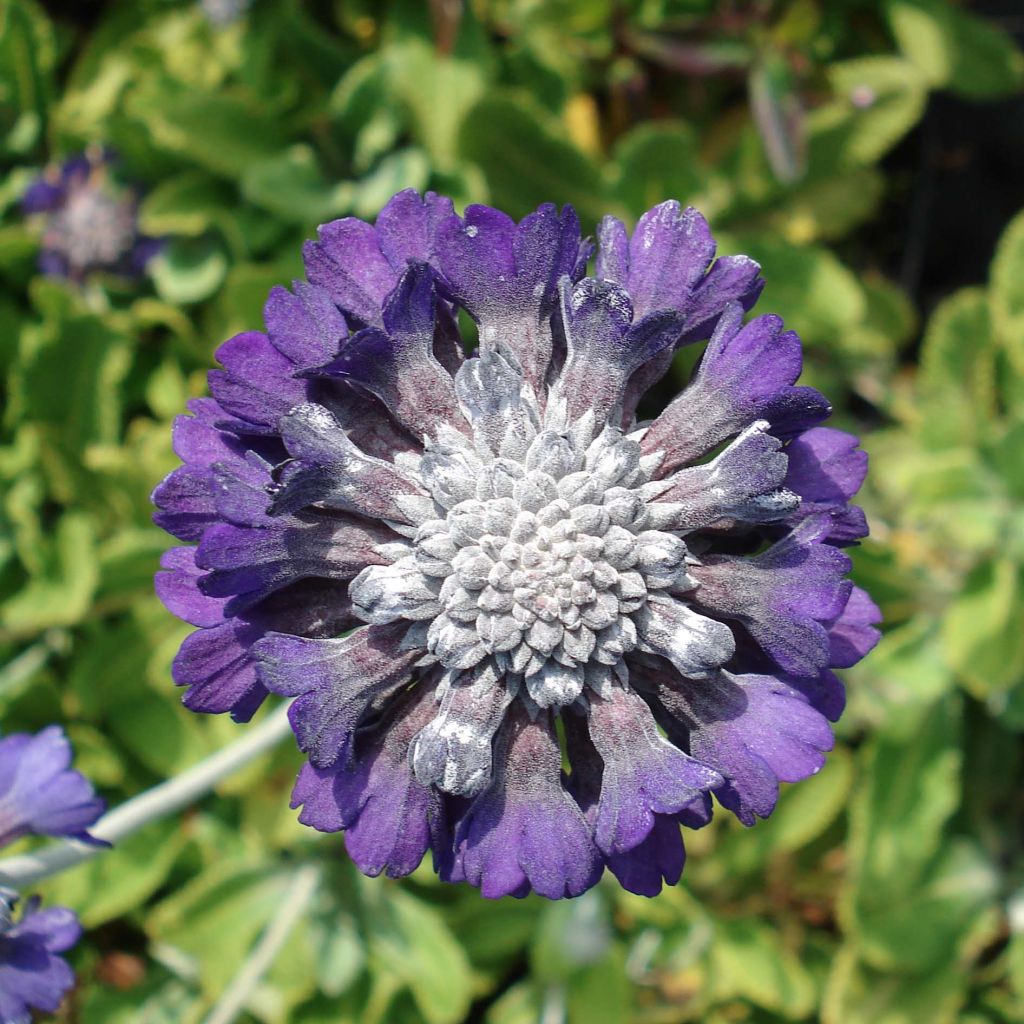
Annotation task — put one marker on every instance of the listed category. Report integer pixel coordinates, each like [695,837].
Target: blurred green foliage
[887,890]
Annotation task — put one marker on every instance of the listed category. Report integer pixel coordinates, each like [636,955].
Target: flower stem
[162,800]
[296,899]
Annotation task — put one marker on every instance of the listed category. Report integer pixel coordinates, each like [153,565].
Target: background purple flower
[40,793]
[515,549]
[90,220]
[32,974]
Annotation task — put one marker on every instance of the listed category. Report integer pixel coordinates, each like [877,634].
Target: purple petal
[177,585]
[605,345]
[39,791]
[330,471]
[659,857]
[826,469]
[247,565]
[853,634]
[31,975]
[336,681]
[741,484]
[669,252]
[397,365]
[644,774]
[42,196]
[746,374]
[408,225]
[506,276]
[389,817]
[782,596]
[756,730]
[525,831]
[307,327]
[348,264]
[256,383]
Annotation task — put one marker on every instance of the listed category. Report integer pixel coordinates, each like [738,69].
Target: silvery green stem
[262,955]
[162,800]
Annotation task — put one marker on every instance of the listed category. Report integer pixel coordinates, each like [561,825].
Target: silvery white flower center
[539,552]
[93,228]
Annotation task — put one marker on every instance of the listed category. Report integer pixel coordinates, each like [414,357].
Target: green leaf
[225,132]
[60,595]
[600,991]
[69,379]
[526,160]
[187,204]
[778,115]
[152,727]
[188,270]
[571,934]
[27,54]
[655,162]
[957,375]
[405,168]
[856,994]
[438,88]
[955,49]
[807,286]
[1007,292]
[216,918]
[291,186]
[878,100]
[410,941]
[980,631]
[901,805]
[750,960]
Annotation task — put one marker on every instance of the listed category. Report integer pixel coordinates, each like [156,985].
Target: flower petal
[39,791]
[853,635]
[348,264]
[746,374]
[695,644]
[644,774]
[782,596]
[335,681]
[306,327]
[506,276]
[741,484]
[525,831]
[247,565]
[397,364]
[330,471]
[754,729]
[390,818]
[605,344]
[453,752]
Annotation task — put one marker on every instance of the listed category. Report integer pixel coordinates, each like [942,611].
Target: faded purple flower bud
[90,221]
[224,12]
[32,974]
[40,793]
[441,555]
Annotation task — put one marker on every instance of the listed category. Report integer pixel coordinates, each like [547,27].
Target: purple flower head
[521,629]
[32,974]
[40,793]
[90,221]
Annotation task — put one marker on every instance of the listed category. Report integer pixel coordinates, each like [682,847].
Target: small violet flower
[32,973]
[523,629]
[42,795]
[90,221]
